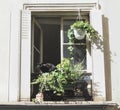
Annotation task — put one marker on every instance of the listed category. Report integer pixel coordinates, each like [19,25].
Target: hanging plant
[80,29]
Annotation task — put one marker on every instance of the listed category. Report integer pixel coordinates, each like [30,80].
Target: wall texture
[110,11]
[10,46]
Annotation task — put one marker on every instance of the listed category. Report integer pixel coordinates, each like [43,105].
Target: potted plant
[80,29]
[50,84]
[58,81]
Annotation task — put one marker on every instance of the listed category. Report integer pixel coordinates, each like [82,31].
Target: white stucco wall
[10,46]
[4,49]
[114,22]
[9,50]
[110,10]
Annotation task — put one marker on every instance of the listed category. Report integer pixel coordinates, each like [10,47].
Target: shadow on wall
[107,58]
[95,89]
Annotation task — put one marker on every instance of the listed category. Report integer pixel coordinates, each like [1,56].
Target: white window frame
[88,45]
[25,74]
[34,21]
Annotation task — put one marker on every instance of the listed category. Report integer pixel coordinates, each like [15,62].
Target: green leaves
[65,75]
[91,33]
[71,36]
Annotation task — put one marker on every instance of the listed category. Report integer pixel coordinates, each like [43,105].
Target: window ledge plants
[58,81]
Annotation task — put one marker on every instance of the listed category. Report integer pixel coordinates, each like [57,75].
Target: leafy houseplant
[59,80]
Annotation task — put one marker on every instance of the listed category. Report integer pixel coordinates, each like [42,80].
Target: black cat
[45,67]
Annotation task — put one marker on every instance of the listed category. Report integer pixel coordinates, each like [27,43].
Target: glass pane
[79,53]
[36,54]
[36,58]
[37,37]
[66,53]
[66,26]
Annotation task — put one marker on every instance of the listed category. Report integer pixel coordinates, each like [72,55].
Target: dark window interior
[36,45]
[51,43]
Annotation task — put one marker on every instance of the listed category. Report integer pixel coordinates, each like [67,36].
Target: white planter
[79,34]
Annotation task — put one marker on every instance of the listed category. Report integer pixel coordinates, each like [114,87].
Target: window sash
[86,43]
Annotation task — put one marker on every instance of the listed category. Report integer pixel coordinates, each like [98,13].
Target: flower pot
[39,97]
[79,34]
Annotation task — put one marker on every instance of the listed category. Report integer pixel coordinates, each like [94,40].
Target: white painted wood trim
[61,6]
[61,38]
[34,21]
[25,55]
[41,40]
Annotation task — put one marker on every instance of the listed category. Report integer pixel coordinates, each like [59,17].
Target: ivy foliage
[60,79]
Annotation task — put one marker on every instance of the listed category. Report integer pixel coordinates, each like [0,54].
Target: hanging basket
[79,34]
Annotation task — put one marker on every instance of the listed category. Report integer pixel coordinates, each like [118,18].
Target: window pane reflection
[79,53]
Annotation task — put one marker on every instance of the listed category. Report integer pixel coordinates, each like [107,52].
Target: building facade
[21,20]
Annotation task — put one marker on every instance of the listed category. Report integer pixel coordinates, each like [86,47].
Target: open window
[50,33]
[51,23]
[50,41]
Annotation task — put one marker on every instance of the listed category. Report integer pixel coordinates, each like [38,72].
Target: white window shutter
[25,54]
[26,24]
